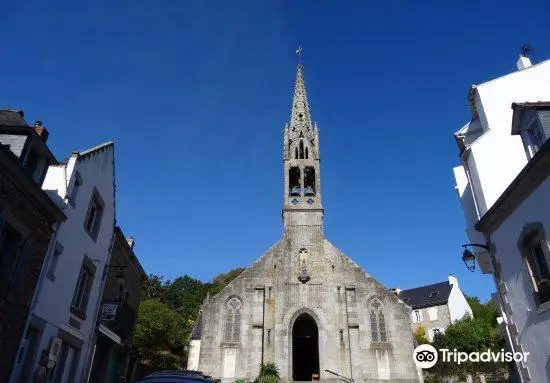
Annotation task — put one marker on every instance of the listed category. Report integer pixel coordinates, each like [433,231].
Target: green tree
[161,333]
[185,295]
[222,280]
[420,335]
[153,288]
[480,333]
[167,314]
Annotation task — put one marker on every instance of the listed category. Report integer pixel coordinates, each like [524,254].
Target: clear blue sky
[196,93]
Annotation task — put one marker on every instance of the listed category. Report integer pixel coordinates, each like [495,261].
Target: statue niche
[302,262]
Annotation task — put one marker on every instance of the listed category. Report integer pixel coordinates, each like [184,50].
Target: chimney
[395,290]
[523,62]
[41,130]
[453,280]
[130,241]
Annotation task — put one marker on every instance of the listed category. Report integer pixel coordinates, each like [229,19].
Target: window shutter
[420,315]
[26,251]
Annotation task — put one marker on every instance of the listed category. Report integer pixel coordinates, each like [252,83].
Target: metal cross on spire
[299,53]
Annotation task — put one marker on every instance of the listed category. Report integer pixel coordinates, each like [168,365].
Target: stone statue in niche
[302,260]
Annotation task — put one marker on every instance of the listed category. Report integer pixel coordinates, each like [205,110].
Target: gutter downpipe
[87,370]
[49,252]
[505,316]
[263,326]
[349,337]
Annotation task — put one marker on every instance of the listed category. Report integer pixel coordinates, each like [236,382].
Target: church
[304,305]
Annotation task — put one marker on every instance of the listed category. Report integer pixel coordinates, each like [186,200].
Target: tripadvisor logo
[426,356]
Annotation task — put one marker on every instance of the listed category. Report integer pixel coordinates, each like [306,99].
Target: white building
[491,157]
[436,306]
[517,227]
[65,307]
[504,199]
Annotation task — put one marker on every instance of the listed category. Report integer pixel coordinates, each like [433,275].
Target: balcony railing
[119,316]
[309,191]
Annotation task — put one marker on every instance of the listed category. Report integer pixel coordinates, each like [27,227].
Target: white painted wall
[533,327]
[194,353]
[54,297]
[457,303]
[498,156]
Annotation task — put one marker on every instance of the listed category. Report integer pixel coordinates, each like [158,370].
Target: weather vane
[299,53]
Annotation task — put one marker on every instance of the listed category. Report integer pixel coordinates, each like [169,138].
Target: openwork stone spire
[300,118]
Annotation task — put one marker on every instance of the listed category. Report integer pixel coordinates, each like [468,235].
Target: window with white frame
[83,288]
[76,187]
[435,332]
[95,213]
[432,313]
[533,138]
[536,255]
[417,316]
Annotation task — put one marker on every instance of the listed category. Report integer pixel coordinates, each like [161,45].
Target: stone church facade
[304,305]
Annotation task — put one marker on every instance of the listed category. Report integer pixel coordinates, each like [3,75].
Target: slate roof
[197,328]
[421,297]
[10,117]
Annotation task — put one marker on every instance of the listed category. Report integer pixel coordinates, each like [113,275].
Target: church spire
[301,161]
[300,118]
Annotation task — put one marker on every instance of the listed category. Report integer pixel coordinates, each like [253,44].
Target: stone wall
[336,296]
[443,319]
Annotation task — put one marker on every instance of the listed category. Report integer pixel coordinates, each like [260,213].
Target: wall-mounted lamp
[469,258]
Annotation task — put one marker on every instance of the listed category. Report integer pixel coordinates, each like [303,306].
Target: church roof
[197,328]
[427,296]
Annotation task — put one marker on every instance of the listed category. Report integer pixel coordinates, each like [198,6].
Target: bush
[269,373]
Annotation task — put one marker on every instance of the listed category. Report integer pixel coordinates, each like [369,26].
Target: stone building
[114,358]
[28,219]
[304,304]
[436,306]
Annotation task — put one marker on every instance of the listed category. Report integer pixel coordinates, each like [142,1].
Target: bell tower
[302,191]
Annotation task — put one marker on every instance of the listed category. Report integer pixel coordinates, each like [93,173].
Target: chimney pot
[41,131]
[453,280]
[523,62]
[131,242]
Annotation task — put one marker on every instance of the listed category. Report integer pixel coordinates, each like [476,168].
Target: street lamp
[469,258]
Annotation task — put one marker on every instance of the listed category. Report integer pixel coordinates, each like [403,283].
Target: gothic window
[294,181]
[301,149]
[296,152]
[232,326]
[377,321]
[309,181]
[307,152]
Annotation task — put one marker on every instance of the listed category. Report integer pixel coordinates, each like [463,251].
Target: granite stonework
[304,276]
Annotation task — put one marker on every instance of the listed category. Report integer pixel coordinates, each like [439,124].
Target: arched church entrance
[305,348]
